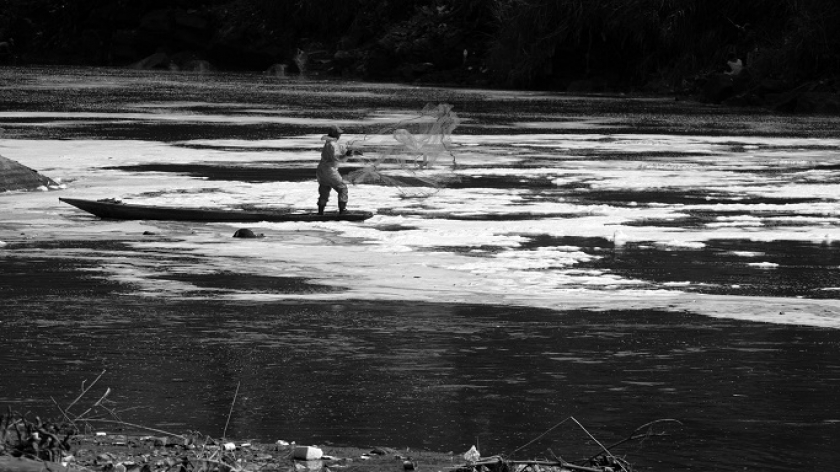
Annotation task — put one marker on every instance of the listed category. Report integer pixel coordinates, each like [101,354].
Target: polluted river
[616,259]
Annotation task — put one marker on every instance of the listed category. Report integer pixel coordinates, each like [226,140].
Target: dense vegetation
[512,43]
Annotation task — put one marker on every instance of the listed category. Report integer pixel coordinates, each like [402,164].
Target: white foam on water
[763,265]
[464,245]
[746,253]
[680,244]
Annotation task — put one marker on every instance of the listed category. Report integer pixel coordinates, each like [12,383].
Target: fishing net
[406,154]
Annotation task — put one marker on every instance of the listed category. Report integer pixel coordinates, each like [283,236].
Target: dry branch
[138,426]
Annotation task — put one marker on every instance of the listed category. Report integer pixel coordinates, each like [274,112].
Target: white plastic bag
[472,455]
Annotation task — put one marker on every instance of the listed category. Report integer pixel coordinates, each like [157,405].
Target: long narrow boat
[116,210]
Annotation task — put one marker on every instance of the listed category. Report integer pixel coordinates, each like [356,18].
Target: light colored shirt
[735,67]
[331,154]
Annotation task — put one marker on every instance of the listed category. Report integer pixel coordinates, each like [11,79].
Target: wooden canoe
[115,210]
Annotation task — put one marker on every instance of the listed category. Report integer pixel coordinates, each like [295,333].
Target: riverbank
[136,453]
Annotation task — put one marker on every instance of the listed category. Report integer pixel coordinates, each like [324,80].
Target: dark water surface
[750,396]
[721,267]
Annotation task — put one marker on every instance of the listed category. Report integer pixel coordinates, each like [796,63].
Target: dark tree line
[511,43]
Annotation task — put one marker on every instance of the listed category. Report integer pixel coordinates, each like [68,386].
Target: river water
[618,260]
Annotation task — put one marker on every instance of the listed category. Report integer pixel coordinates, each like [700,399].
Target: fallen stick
[137,426]
[97,404]
[599,443]
[540,436]
[217,463]
[230,413]
[84,391]
[63,413]
[636,434]
[535,462]
[559,464]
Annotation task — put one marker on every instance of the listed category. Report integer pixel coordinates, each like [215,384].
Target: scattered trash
[604,461]
[307,453]
[472,455]
[619,238]
[309,466]
[43,442]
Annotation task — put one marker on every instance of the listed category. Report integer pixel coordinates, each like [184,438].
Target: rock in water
[246,233]
[15,176]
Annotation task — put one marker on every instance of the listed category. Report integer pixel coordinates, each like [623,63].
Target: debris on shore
[71,444]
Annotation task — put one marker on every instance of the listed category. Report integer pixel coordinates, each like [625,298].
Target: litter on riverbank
[72,444]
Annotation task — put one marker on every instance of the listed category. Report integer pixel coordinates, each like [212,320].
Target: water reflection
[441,376]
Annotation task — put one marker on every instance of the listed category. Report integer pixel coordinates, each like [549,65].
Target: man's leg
[342,197]
[323,197]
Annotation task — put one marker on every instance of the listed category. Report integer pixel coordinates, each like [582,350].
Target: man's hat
[335,131]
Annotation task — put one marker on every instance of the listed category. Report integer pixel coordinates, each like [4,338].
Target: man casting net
[405,155]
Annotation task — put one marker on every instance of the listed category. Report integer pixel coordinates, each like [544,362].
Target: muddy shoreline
[136,453]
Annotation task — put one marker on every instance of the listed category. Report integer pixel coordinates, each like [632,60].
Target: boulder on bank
[158,60]
[821,103]
[276,70]
[719,87]
[198,65]
[810,98]
[182,61]
[15,176]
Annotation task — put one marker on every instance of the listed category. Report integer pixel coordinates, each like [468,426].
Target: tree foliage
[513,43]
[634,40]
